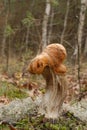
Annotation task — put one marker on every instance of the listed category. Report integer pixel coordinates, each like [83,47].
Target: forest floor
[15,85]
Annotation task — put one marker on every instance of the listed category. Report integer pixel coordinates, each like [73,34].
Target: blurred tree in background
[29,25]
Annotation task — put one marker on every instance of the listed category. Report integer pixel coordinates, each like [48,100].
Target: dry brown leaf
[4,100]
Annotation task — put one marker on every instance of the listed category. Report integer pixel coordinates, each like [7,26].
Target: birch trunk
[77,51]
[65,22]
[45,24]
[81,23]
[50,27]
[80,34]
[75,55]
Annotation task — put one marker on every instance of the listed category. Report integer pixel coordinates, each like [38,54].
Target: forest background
[26,26]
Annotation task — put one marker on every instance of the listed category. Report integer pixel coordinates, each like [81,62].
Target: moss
[36,122]
[23,124]
[54,126]
[11,91]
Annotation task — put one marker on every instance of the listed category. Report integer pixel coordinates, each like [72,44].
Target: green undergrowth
[38,122]
[11,91]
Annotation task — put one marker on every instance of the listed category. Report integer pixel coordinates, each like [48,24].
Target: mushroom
[50,64]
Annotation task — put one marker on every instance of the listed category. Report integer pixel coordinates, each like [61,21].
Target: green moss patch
[11,91]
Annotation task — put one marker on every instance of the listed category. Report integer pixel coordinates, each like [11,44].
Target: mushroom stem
[52,100]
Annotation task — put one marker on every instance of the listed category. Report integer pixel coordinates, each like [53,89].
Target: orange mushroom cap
[53,56]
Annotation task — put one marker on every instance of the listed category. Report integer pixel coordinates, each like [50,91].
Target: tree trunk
[45,24]
[50,27]
[75,55]
[65,22]
[81,23]
[77,51]
[80,34]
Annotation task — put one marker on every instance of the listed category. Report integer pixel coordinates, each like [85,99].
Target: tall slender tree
[28,21]
[81,23]
[45,24]
[80,33]
[65,21]
[78,47]
[50,26]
